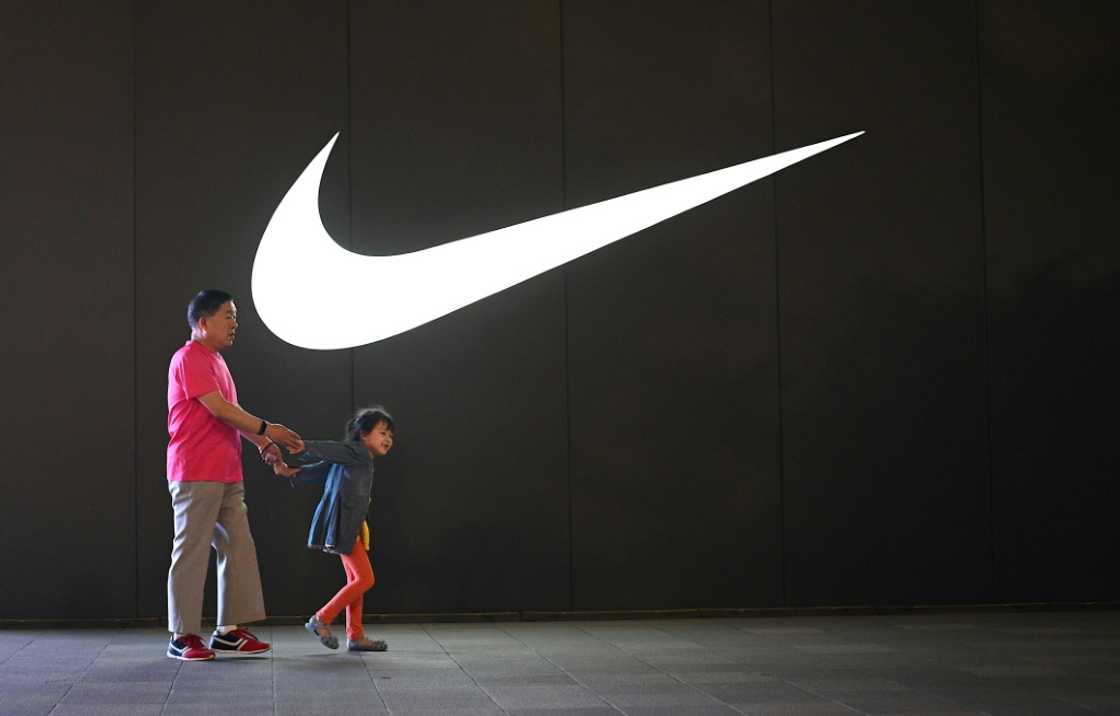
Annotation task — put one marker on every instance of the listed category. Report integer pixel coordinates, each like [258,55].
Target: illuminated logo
[310,291]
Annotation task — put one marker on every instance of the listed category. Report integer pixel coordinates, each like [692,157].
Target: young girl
[339,527]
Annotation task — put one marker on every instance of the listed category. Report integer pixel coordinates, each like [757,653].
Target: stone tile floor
[961,663]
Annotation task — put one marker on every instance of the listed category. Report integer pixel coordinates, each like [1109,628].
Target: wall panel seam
[564,301]
[351,352]
[135,337]
[777,320]
[987,308]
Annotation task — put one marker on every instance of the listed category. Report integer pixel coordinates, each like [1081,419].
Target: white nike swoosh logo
[312,293]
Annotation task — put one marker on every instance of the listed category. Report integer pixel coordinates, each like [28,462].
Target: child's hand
[283,470]
[271,454]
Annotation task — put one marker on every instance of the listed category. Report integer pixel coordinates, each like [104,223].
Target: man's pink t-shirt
[202,448]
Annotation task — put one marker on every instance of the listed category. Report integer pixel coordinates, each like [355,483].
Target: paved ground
[1010,663]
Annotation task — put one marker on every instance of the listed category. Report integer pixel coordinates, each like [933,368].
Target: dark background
[884,377]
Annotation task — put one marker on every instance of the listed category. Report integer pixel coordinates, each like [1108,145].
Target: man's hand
[283,470]
[285,436]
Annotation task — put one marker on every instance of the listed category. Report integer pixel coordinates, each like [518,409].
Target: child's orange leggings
[359,579]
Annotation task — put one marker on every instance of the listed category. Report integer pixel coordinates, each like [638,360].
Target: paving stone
[412,661]
[30,698]
[784,631]
[308,709]
[119,693]
[680,710]
[996,700]
[661,696]
[938,627]
[203,695]
[358,700]
[999,671]
[615,683]
[778,692]
[599,665]
[844,649]
[703,678]
[10,690]
[1100,698]
[830,687]
[482,668]
[899,703]
[451,711]
[818,708]
[433,699]
[557,678]
[218,709]
[132,670]
[520,697]
[439,678]
[67,709]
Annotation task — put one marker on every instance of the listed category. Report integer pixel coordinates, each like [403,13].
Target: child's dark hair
[365,420]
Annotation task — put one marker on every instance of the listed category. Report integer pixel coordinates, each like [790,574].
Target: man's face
[218,330]
[379,440]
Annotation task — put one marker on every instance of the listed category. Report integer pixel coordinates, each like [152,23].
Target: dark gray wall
[882,377]
[881,285]
[672,367]
[68,520]
[1050,112]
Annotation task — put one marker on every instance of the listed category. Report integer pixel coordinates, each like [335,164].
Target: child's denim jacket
[346,470]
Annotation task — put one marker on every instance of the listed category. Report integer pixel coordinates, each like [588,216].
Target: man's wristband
[264,427]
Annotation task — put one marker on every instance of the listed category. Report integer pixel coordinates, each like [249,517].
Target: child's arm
[313,472]
[334,451]
[314,462]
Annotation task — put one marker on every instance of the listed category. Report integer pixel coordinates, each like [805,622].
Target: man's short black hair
[366,419]
[205,304]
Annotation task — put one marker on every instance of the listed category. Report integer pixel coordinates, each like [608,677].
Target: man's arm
[248,424]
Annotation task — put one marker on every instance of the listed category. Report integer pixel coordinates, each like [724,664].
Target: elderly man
[206,426]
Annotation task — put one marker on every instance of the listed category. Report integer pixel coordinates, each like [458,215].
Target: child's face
[379,440]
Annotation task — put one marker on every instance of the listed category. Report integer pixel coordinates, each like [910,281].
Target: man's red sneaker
[239,641]
[189,648]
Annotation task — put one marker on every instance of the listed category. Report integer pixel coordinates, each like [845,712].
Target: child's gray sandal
[322,632]
[365,644]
